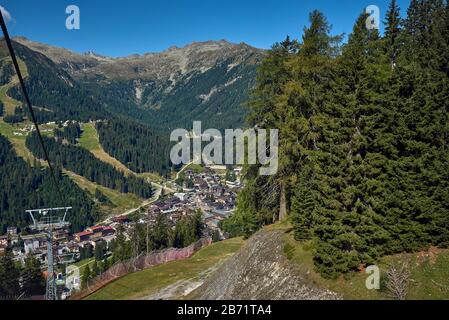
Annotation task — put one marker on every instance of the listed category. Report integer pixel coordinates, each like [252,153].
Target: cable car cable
[27,100]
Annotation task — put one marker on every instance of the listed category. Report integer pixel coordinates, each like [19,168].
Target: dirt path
[182,288]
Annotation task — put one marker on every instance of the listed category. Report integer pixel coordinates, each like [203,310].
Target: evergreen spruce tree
[216,236]
[95,269]
[272,76]
[9,276]
[161,233]
[85,277]
[302,206]
[178,239]
[393,32]
[422,164]
[301,102]
[99,251]
[33,281]
[346,230]
[105,265]
[121,249]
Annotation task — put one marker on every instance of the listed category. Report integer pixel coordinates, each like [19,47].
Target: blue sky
[120,28]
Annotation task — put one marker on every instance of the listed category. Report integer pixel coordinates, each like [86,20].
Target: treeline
[363,150]
[6,72]
[140,240]
[45,116]
[161,235]
[24,187]
[85,164]
[118,96]
[42,115]
[137,146]
[17,117]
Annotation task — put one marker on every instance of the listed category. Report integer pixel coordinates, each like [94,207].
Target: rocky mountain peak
[203,79]
[194,57]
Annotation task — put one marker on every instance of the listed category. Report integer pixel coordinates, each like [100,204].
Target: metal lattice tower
[47,224]
[51,290]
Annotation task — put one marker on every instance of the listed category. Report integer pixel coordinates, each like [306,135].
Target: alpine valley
[113,150]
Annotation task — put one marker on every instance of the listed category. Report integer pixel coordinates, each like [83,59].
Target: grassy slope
[144,283]
[90,141]
[18,142]
[122,202]
[195,168]
[10,103]
[82,264]
[430,275]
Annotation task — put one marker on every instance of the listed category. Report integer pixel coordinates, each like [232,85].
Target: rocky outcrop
[168,65]
[259,271]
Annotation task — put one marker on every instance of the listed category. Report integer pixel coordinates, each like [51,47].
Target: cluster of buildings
[95,234]
[67,248]
[206,191]
[65,244]
[46,128]
[21,132]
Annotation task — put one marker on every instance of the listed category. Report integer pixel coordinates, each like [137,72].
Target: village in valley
[210,190]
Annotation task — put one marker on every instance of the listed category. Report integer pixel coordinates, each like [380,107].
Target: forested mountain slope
[50,87]
[134,145]
[23,187]
[207,81]
[82,162]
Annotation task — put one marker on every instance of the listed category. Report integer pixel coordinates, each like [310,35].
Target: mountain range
[207,81]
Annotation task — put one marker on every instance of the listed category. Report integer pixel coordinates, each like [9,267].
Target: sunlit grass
[121,201]
[429,279]
[90,141]
[10,103]
[149,281]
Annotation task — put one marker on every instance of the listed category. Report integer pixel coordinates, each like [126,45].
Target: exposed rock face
[260,272]
[162,66]
[174,63]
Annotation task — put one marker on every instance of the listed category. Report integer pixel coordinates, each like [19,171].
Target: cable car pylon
[45,221]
